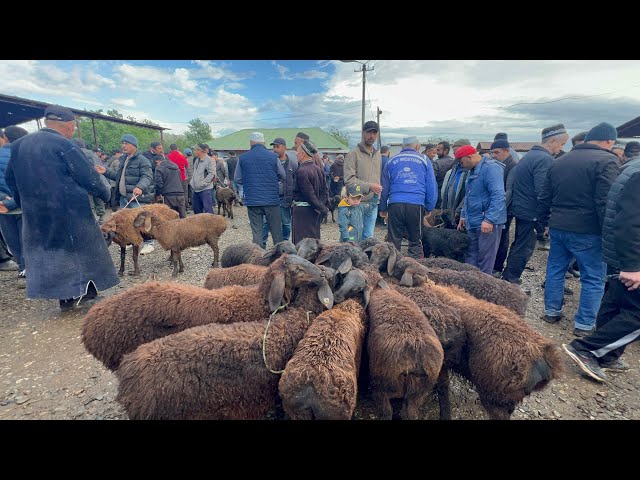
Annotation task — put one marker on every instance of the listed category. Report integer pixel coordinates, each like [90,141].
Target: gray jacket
[203,172]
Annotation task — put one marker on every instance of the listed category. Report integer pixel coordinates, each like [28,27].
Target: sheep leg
[230,209]
[136,268]
[386,410]
[180,261]
[219,209]
[411,406]
[123,254]
[216,251]
[174,263]
[442,389]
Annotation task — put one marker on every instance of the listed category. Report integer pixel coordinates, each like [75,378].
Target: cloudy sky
[449,99]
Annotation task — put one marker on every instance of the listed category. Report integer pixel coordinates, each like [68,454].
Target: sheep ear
[391,263]
[269,253]
[368,249]
[407,278]
[366,294]
[384,285]
[323,258]
[345,266]
[325,295]
[147,224]
[276,292]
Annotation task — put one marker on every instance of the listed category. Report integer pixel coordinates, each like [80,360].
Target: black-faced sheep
[405,355]
[332,204]
[119,229]
[225,197]
[252,253]
[177,235]
[339,256]
[211,372]
[120,323]
[321,380]
[504,358]
[444,242]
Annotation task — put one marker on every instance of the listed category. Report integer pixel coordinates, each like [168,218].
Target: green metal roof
[240,140]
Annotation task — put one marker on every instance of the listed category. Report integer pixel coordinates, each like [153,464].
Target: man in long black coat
[64,250]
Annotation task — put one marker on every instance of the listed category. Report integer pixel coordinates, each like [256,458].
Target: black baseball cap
[279,141]
[370,125]
[59,113]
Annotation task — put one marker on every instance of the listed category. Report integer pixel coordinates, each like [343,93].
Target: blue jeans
[237,187]
[369,214]
[11,227]
[587,248]
[134,204]
[285,216]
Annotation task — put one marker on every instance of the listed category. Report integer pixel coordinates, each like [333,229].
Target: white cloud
[284,74]
[126,102]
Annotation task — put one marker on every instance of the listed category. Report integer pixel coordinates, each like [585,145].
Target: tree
[198,132]
[342,137]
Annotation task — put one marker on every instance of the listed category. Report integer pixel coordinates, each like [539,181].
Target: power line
[572,97]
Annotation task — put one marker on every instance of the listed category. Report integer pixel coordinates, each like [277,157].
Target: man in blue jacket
[484,212]
[408,189]
[258,171]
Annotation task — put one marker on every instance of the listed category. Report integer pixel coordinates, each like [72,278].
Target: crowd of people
[584,200]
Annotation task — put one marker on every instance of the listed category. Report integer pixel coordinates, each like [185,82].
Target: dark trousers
[617,324]
[305,223]
[403,216]
[4,252]
[503,248]
[185,187]
[483,248]
[202,202]
[521,250]
[11,227]
[113,203]
[176,202]
[272,214]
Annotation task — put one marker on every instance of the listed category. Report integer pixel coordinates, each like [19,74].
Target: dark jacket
[440,168]
[62,244]
[259,170]
[167,179]
[138,174]
[232,161]
[529,176]
[309,180]
[285,187]
[452,195]
[5,155]
[575,193]
[621,229]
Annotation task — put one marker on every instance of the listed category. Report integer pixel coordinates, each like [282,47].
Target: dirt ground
[45,372]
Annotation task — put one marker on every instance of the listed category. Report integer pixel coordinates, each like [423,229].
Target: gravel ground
[45,372]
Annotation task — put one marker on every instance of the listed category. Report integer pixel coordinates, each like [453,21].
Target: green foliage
[342,137]
[109,133]
[198,132]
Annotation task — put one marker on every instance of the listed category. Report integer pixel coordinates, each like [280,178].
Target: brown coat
[363,168]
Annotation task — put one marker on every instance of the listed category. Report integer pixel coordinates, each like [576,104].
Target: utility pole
[379,131]
[364,71]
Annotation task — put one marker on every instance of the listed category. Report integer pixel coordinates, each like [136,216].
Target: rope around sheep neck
[264,337]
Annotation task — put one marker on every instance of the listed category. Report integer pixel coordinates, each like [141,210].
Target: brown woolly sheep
[120,323]
[448,263]
[244,274]
[211,372]
[433,219]
[321,379]
[478,284]
[405,355]
[504,358]
[178,235]
[119,229]
[225,197]
[252,253]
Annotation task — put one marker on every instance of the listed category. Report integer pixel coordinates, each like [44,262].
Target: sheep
[120,323]
[332,204]
[433,219]
[225,197]
[252,253]
[178,235]
[368,242]
[244,274]
[478,284]
[502,356]
[120,230]
[211,372]
[444,242]
[405,355]
[340,256]
[321,379]
[449,264]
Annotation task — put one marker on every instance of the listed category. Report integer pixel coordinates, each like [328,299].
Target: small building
[520,147]
[239,141]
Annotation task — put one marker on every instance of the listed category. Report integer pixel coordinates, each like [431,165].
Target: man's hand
[546,231]
[137,191]
[100,169]
[375,188]
[631,280]
[3,209]
[461,224]
[336,179]
[486,227]
[384,214]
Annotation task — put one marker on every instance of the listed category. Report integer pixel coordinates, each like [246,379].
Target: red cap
[465,151]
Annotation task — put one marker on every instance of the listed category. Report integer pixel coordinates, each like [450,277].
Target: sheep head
[410,272]
[367,244]
[309,248]
[292,271]
[279,249]
[358,282]
[146,221]
[384,253]
[433,219]
[108,230]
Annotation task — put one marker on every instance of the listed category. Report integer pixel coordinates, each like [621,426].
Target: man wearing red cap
[484,212]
